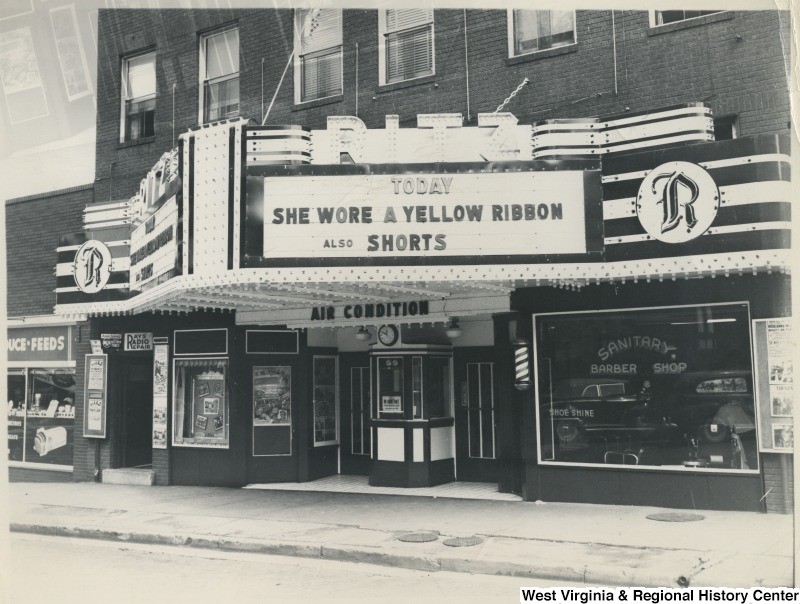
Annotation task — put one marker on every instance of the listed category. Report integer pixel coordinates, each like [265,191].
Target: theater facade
[586,310]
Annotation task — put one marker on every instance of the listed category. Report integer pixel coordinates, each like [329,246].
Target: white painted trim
[41,364]
[720,230]
[708,165]
[37,320]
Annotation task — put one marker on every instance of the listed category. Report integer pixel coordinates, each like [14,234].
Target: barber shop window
[318,52]
[535,30]
[669,388]
[406,44]
[138,97]
[219,75]
[200,409]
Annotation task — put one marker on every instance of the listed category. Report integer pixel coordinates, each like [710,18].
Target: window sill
[543,54]
[429,79]
[328,100]
[657,30]
[139,141]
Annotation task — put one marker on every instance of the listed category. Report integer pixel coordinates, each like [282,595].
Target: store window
[535,30]
[406,43]
[219,75]
[670,388]
[318,48]
[41,416]
[664,17]
[201,403]
[138,97]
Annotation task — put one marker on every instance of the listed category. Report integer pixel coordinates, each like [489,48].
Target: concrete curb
[594,574]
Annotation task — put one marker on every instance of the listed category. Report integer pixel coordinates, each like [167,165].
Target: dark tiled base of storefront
[29,475]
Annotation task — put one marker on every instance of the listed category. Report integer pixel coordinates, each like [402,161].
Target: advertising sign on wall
[160,381]
[435,215]
[37,344]
[95,395]
[774,383]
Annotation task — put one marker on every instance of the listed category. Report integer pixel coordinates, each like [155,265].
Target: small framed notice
[391,404]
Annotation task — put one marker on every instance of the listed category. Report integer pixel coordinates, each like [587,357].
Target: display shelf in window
[201,407]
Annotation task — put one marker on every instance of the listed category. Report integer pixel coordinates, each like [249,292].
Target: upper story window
[665,17]
[138,97]
[406,44]
[219,75]
[535,30]
[318,54]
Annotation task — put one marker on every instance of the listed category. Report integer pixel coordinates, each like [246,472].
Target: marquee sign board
[154,247]
[422,213]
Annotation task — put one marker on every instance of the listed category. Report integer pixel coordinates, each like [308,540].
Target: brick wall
[33,225]
[778,482]
[734,62]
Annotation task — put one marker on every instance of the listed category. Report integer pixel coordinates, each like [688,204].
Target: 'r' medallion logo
[92,266]
[677,202]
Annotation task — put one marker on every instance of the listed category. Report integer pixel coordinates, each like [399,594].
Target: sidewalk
[595,544]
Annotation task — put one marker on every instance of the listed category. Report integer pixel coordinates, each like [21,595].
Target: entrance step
[142,477]
[343,483]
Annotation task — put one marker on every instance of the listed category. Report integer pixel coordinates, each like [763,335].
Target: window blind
[409,54]
[405,18]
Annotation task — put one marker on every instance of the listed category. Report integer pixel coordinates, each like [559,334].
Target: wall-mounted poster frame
[160,394]
[95,396]
[272,411]
[774,383]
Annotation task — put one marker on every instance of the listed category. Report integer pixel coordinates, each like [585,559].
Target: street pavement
[579,543]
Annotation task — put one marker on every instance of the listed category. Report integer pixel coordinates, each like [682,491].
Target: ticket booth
[412,415]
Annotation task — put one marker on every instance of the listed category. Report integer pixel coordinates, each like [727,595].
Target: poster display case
[774,384]
[272,410]
[201,403]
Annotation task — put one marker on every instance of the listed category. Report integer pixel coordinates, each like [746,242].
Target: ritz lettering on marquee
[414,214]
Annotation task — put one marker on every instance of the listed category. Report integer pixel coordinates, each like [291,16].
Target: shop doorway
[355,417]
[476,417]
[137,417]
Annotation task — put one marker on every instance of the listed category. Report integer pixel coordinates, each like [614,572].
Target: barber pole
[522,380]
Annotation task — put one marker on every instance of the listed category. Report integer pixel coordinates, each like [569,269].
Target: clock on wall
[388,335]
